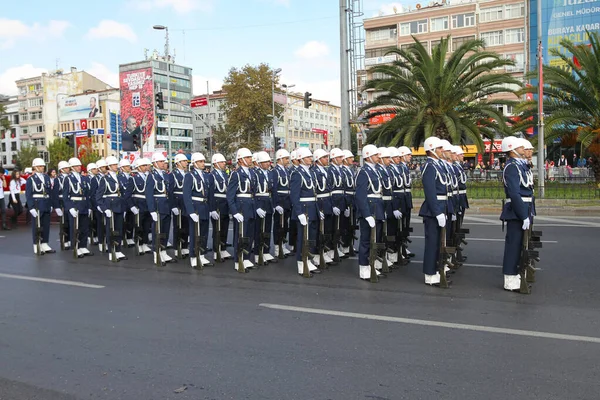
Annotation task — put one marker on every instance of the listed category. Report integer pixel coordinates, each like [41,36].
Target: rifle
[92,229]
[281,240]
[534,242]
[179,237]
[197,247]
[61,229]
[217,239]
[384,261]
[322,263]
[352,227]
[38,230]
[526,256]
[138,234]
[113,238]
[374,248]
[459,238]
[443,259]
[261,243]
[241,248]
[306,244]
[336,240]
[157,236]
[75,237]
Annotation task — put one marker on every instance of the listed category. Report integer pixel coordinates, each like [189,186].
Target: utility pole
[344,79]
[540,160]
[209,148]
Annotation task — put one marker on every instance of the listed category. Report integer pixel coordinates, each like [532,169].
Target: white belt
[442,197]
[398,191]
[283,191]
[221,195]
[200,199]
[386,198]
[160,195]
[177,192]
[110,195]
[139,196]
[249,196]
[263,194]
[307,199]
[349,191]
[449,195]
[77,198]
[40,196]
[462,191]
[525,200]
[337,192]
[323,195]
[375,195]
[407,190]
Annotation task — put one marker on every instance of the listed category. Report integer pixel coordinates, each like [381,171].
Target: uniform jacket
[198,193]
[462,185]
[434,179]
[94,182]
[57,191]
[243,183]
[175,184]
[397,186]
[76,194]
[369,192]
[336,178]
[38,193]
[323,190]
[264,194]
[157,189]
[517,186]
[302,185]
[348,181]
[281,186]
[219,179]
[407,181]
[136,192]
[386,188]
[108,195]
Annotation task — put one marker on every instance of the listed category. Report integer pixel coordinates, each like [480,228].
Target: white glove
[370,221]
[336,211]
[526,224]
[154,216]
[453,217]
[108,213]
[59,212]
[321,215]
[261,213]
[99,209]
[347,213]
[302,219]
[175,211]
[239,217]
[397,214]
[73,212]
[441,220]
[279,209]
[194,217]
[33,213]
[135,210]
[214,215]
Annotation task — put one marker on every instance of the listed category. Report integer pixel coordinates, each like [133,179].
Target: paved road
[97,330]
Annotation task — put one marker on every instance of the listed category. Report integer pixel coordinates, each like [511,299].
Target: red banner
[199,102]
[381,118]
[137,107]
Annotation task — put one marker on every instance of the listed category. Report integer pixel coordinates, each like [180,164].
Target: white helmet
[135,164]
[111,160]
[510,143]
[384,152]
[348,154]
[217,157]
[124,163]
[262,156]
[303,152]
[293,155]
[28,170]
[446,145]
[143,161]
[336,152]
[320,153]
[404,151]
[74,162]
[369,150]
[242,153]
[432,143]
[180,157]
[393,152]
[281,153]
[527,144]
[101,163]
[158,157]
[62,165]
[91,166]
[458,150]
[198,157]
[38,162]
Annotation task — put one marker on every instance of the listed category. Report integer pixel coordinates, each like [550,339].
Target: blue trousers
[84,230]
[203,236]
[165,228]
[364,245]
[513,243]
[248,232]
[313,227]
[432,245]
[45,224]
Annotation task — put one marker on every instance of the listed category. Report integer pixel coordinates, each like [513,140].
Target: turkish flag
[83,124]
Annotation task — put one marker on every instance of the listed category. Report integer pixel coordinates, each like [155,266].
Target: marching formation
[308,205]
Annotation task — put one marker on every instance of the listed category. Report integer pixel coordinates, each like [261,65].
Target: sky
[211,36]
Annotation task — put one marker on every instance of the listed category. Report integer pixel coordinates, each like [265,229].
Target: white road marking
[486,239]
[488,221]
[438,324]
[567,220]
[468,265]
[56,281]
[536,224]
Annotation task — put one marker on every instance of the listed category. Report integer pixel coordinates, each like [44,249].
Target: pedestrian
[16,182]
[2,200]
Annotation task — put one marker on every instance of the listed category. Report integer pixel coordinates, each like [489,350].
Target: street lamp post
[275,73]
[167,60]
[285,130]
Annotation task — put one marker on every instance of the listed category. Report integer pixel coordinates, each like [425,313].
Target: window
[514,10]
[411,28]
[372,53]
[435,43]
[439,24]
[463,20]
[39,128]
[380,75]
[35,115]
[519,59]
[459,41]
[386,33]
[36,102]
[13,146]
[514,36]
[493,38]
[490,14]
[23,117]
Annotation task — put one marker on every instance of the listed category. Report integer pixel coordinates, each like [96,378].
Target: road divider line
[55,281]
[488,239]
[438,324]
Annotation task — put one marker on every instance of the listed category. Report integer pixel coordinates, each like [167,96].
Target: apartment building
[207,115]
[10,142]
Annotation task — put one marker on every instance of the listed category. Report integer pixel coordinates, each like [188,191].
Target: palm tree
[452,97]
[571,97]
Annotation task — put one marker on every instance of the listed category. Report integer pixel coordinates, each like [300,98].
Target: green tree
[58,150]
[571,98]
[4,123]
[224,141]
[452,96]
[248,104]
[25,156]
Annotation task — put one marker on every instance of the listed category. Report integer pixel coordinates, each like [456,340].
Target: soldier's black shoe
[316,271]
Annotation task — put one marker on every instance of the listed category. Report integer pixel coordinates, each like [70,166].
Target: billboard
[78,107]
[137,108]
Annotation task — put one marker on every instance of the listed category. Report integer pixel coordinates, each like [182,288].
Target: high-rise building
[207,116]
[10,142]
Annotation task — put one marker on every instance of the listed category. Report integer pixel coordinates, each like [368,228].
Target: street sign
[199,102]
[321,131]
[303,145]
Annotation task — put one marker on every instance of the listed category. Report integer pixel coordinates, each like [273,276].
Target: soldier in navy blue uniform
[323,190]
[349,217]
[38,192]
[406,199]
[305,209]
[517,211]
[369,206]
[175,189]
[394,255]
[280,176]
[293,227]
[463,201]
[57,190]
[451,188]
[387,187]
[240,197]
[335,175]
[137,205]
[124,177]
[265,199]
[434,208]
[158,205]
[528,156]
[76,192]
[220,179]
[112,205]
[98,214]
[199,204]
[92,171]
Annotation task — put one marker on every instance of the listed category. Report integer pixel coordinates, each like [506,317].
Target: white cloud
[105,74]
[179,6]
[11,30]
[312,49]
[9,76]
[199,84]
[112,29]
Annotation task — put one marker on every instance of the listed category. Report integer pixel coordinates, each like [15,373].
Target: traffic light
[307,99]
[69,140]
[280,143]
[136,140]
[89,133]
[159,100]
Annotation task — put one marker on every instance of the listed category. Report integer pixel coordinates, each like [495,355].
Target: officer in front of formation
[76,199]
[137,205]
[38,191]
[175,193]
[112,206]
[280,176]
[369,206]
[159,207]
[517,211]
[63,173]
[434,208]
[219,179]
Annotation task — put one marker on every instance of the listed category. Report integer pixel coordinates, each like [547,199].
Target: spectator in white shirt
[14,200]
[2,202]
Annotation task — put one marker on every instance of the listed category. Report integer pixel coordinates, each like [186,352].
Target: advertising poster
[78,107]
[137,108]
